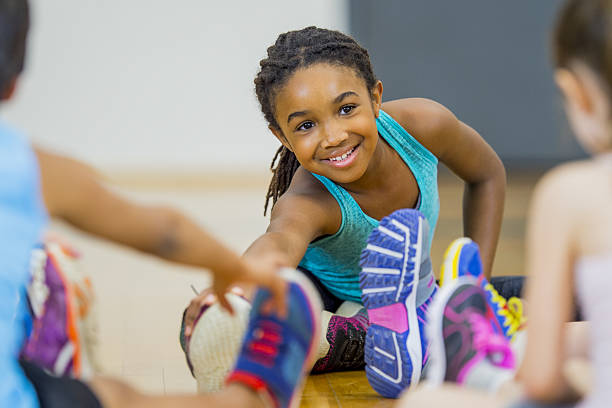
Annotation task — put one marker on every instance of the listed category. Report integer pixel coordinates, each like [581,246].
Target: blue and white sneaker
[277,354]
[394,264]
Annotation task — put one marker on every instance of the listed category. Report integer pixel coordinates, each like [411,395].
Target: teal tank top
[334,259]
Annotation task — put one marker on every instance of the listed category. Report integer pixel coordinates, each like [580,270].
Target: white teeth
[344,156]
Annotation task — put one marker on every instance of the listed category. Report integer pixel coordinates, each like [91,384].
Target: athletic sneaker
[462,258]
[63,332]
[464,347]
[396,254]
[344,341]
[213,346]
[276,353]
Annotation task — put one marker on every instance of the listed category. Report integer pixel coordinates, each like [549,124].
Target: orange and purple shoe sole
[55,340]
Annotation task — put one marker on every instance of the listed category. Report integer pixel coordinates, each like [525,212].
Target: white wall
[155,85]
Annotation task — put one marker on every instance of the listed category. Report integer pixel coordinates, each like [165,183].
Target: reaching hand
[205,299]
[259,270]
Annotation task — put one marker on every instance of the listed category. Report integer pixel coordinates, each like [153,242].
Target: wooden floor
[140,299]
[346,389]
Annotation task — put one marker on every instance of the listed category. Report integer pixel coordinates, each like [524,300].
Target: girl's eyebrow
[295,114]
[338,99]
[343,95]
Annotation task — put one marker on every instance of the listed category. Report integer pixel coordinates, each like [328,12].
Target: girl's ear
[574,90]
[377,91]
[279,135]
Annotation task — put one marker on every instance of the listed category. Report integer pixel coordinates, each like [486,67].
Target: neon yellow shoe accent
[511,311]
[451,260]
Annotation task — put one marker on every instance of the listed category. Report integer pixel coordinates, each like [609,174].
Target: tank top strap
[402,141]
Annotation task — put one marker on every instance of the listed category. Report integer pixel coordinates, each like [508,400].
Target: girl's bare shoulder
[425,119]
[578,195]
[580,184]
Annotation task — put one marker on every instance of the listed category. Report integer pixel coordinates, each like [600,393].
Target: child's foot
[213,345]
[396,348]
[462,258]
[276,353]
[344,341]
[464,347]
[61,297]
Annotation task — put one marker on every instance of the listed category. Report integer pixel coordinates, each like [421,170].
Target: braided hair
[291,51]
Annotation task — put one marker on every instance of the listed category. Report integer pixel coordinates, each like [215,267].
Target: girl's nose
[333,136]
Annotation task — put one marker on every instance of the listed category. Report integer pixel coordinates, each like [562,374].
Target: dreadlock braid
[282,174]
[291,51]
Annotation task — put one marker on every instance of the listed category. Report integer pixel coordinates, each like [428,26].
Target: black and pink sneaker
[276,354]
[346,338]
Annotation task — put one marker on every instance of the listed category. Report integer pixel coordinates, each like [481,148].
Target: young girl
[346,161]
[569,238]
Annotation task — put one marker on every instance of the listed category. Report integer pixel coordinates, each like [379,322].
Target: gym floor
[140,299]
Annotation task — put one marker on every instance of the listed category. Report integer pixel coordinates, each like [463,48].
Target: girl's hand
[259,270]
[205,299]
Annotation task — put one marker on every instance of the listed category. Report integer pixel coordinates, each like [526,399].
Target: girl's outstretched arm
[306,211]
[75,193]
[297,218]
[551,252]
[467,154]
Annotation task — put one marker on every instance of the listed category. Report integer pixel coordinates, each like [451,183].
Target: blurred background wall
[155,85]
[488,61]
[150,85]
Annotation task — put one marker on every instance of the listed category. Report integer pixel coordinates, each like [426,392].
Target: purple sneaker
[392,263]
[277,354]
[61,299]
[465,347]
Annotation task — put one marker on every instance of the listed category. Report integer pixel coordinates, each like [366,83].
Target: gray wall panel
[488,61]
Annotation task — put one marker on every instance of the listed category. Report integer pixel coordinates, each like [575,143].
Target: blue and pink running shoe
[464,347]
[393,264]
[276,354]
[462,258]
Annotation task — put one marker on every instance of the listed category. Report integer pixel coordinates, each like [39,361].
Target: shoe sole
[389,277]
[50,259]
[434,330]
[213,346]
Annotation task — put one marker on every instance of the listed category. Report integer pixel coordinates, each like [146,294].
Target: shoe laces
[264,342]
[511,311]
[495,346]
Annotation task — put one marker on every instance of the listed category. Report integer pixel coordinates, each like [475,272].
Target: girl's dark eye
[345,110]
[305,126]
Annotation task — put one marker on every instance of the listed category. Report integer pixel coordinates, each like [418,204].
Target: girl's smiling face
[327,118]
